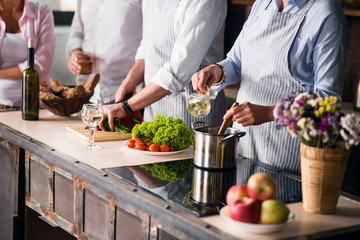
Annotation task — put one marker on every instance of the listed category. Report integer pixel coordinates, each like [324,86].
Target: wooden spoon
[226,123]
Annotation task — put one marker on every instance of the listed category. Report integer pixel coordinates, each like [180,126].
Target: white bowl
[254,228]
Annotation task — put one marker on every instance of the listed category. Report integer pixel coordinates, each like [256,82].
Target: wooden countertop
[50,130]
[305,224]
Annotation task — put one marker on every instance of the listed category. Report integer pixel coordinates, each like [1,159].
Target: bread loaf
[91,83]
[76,91]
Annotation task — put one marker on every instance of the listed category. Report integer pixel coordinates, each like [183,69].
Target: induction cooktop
[181,192]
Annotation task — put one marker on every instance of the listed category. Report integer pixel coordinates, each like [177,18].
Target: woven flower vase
[322,174]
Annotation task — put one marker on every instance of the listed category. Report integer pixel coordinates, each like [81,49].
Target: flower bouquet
[326,135]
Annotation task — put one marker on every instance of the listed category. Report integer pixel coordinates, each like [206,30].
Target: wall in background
[60,5]
[352,74]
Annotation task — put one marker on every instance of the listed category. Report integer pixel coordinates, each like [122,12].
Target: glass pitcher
[198,105]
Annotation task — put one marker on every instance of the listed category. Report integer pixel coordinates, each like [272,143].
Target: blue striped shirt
[317,57]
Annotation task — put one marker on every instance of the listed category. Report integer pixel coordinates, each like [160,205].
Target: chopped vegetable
[166,130]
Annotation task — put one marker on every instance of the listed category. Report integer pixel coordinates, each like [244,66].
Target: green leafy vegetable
[166,130]
[124,125]
[170,171]
[118,126]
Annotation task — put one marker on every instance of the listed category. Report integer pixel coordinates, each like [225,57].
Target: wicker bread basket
[66,106]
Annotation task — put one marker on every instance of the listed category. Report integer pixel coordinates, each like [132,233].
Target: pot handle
[198,122]
[238,135]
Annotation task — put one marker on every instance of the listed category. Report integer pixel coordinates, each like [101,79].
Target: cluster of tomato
[145,144]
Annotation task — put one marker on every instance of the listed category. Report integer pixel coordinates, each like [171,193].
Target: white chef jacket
[111,30]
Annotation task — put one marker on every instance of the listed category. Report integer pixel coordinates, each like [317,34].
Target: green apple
[273,211]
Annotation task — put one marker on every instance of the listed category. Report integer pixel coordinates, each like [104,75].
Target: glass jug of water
[198,105]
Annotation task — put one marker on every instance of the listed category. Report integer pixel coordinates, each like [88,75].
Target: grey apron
[265,78]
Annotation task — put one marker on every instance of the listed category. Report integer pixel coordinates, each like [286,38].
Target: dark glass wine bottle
[30,87]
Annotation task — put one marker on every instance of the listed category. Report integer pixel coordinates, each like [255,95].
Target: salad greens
[170,171]
[166,130]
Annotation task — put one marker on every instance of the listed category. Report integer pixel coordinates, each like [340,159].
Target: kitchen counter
[80,192]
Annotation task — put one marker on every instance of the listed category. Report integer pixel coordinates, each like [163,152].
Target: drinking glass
[86,64]
[92,115]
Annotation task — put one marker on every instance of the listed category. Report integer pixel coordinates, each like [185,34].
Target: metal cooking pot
[210,187]
[212,150]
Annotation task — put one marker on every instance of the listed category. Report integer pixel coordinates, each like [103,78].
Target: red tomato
[135,137]
[147,145]
[172,148]
[164,148]
[139,145]
[154,148]
[131,143]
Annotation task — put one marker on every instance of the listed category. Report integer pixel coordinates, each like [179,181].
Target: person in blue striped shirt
[284,46]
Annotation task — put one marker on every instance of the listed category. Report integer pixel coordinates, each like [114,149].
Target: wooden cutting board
[81,131]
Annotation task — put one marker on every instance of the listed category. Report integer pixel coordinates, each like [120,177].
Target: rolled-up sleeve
[330,57]
[202,22]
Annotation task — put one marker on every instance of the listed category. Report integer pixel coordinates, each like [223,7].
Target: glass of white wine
[198,105]
[92,115]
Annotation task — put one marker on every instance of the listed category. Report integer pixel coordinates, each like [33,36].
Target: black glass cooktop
[202,191]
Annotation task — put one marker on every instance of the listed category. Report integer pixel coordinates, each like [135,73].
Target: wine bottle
[30,87]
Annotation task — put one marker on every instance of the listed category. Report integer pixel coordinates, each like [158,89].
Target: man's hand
[73,64]
[112,111]
[248,114]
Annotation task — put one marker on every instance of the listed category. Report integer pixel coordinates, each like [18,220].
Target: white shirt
[180,38]
[13,52]
[194,37]
[111,30]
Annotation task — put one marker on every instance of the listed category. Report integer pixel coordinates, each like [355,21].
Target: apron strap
[307,7]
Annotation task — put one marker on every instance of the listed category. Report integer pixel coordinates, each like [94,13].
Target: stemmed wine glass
[92,115]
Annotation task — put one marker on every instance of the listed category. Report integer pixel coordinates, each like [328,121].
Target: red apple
[261,186]
[246,210]
[273,211]
[236,192]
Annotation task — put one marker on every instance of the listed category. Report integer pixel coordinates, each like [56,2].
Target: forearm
[136,73]
[147,96]
[10,73]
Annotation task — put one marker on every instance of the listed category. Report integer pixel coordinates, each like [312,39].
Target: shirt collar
[299,3]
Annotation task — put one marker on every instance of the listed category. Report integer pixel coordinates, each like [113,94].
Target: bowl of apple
[253,207]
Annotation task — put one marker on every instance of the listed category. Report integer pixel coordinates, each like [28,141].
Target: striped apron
[161,43]
[265,78]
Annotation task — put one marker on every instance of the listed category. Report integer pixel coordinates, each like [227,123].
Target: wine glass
[92,115]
